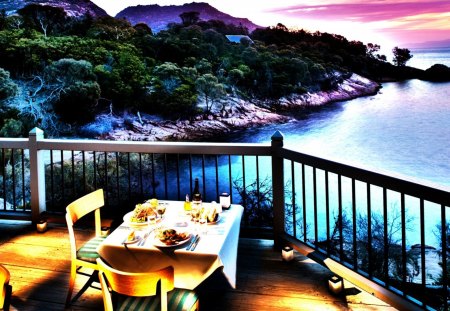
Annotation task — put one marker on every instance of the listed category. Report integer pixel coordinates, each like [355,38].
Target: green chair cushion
[88,252]
[178,300]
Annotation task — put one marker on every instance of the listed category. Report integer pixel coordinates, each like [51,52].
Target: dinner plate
[158,243]
[127,219]
[214,222]
[135,240]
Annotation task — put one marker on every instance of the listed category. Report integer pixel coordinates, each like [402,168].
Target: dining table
[215,248]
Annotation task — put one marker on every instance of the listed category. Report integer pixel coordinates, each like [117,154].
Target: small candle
[105,231]
[335,284]
[41,226]
[287,253]
[225,201]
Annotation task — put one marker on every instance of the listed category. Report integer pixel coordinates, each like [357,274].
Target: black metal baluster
[94,155]
[23,180]
[327,211]
[316,231]
[83,156]
[369,231]
[4,179]
[203,177]
[257,184]
[304,203]
[216,159]
[244,199]
[444,239]
[141,182]
[404,258]
[62,177]
[166,196]
[106,179]
[385,240]
[178,177]
[118,177]
[153,176]
[355,246]
[422,249]
[230,178]
[13,175]
[340,220]
[294,220]
[129,174]
[73,173]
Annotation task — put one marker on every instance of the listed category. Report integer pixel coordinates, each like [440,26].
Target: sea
[404,129]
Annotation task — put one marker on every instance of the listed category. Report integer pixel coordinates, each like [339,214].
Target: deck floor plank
[39,266]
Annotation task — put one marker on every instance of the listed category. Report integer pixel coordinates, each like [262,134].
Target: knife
[195,244]
[192,242]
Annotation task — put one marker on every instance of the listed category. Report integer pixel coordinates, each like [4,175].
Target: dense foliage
[60,71]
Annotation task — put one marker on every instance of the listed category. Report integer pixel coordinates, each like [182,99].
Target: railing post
[37,174]
[278,188]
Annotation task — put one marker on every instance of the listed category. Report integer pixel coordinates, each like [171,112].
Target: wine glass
[161,209]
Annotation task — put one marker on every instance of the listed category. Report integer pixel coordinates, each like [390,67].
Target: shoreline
[238,115]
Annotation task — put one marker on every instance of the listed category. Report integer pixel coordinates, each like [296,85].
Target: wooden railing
[388,234]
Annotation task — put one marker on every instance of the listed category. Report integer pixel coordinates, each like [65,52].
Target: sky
[389,23]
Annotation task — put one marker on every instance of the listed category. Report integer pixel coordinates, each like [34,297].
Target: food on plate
[171,236]
[153,202]
[131,236]
[141,211]
[212,215]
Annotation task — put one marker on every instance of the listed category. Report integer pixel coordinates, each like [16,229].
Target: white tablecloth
[216,249]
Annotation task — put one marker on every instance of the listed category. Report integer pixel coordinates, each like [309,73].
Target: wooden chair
[5,289]
[86,255]
[139,291]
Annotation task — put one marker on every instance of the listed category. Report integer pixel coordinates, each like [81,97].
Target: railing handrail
[394,181]
[156,147]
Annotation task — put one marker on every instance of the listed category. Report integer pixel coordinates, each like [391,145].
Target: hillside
[157,17]
[74,8]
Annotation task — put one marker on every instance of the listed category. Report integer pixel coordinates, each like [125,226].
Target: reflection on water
[404,129]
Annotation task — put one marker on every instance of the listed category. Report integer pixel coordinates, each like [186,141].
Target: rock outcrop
[238,114]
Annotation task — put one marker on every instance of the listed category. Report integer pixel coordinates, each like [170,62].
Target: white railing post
[278,188]
[37,174]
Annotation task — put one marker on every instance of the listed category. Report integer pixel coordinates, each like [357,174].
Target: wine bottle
[196,205]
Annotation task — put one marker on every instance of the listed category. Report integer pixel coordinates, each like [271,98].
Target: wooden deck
[39,268]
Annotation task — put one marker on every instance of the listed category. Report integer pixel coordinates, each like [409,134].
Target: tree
[372,49]
[210,89]
[7,86]
[78,91]
[43,17]
[401,56]
[189,18]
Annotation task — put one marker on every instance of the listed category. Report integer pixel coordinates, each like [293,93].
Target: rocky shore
[238,114]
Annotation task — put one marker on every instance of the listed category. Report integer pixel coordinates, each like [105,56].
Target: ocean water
[425,58]
[403,130]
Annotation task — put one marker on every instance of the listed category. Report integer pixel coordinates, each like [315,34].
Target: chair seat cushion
[88,252]
[178,300]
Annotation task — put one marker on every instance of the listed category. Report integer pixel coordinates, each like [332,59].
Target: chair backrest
[85,205]
[141,284]
[77,209]
[4,282]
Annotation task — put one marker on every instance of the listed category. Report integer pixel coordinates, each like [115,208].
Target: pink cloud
[363,11]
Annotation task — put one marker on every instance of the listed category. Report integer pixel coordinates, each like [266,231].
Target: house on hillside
[239,38]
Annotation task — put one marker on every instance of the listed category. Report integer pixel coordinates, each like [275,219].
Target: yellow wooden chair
[5,289]
[139,291]
[86,255]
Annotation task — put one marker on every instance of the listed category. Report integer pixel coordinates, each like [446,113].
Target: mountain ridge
[76,8]
[158,17]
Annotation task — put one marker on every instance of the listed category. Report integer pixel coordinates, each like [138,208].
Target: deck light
[335,284]
[287,253]
[41,226]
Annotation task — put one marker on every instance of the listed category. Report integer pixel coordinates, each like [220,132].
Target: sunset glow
[386,22]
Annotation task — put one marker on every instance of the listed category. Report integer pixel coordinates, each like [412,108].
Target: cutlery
[195,244]
[142,242]
[192,242]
